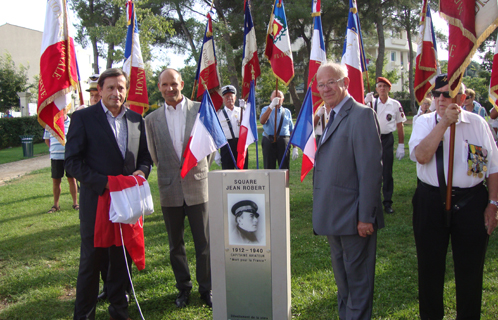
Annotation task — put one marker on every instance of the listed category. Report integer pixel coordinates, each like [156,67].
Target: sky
[31,14]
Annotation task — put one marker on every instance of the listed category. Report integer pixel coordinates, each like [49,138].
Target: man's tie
[331,119]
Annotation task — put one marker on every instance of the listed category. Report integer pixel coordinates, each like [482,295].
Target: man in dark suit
[168,132]
[347,206]
[104,140]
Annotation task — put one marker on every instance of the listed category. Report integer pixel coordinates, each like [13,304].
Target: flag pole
[193,90]
[275,125]
[449,184]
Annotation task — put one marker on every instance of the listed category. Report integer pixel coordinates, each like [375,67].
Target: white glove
[295,154]
[400,152]
[320,111]
[242,103]
[217,158]
[369,97]
[274,103]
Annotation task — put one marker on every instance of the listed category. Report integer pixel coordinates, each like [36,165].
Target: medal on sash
[477,159]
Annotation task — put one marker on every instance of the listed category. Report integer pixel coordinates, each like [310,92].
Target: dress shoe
[207,299]
[388,209]
[182,298]
[102,296]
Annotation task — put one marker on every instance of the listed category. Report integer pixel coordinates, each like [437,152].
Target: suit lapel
[343,113]
[102,120]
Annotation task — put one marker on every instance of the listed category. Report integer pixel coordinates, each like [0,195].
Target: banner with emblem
[58,70]
[470,23]
[278,47]
[426,63]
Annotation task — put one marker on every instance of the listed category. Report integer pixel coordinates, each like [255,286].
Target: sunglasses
[436,94]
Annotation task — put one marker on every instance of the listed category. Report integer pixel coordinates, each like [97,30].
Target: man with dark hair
[473,213]
[168,132]
[104,140]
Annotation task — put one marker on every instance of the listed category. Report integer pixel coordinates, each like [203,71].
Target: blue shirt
[269,126]
[56,148]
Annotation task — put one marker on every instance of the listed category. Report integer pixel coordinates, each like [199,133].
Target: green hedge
[12,128]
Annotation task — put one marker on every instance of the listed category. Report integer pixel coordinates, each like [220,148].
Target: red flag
[278,48]
[493,84]
[426,65]
[471,22]
[58,71]
[134,65]
[207,76]
[250,61]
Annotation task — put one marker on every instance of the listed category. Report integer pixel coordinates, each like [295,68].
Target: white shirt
[234,116]
[176,119]
[471,129]
[118,126]
[389,115]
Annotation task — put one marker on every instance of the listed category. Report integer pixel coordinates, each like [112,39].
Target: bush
[12,128]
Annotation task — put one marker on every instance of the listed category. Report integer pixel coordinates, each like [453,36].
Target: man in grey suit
[347,206]
[168,132]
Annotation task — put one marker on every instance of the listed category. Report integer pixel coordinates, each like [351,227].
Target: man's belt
[461,195]
[383,136]
[271,137]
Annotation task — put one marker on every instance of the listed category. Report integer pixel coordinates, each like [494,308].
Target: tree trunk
[295,98]
[410,59]
[110,53]
[95,48]
[379,64]
[230,57]
[186,31]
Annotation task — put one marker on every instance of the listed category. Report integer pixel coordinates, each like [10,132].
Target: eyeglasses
[445,94]
[328,84]
[468,97]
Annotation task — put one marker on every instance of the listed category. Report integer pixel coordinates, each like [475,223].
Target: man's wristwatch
[493,202]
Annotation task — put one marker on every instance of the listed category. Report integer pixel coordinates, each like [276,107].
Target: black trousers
[469,241]
[226,158]
[87,286]
[273,152]
[387,168]
[174,218]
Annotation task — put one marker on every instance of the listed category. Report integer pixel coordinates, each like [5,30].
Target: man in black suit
[105,139]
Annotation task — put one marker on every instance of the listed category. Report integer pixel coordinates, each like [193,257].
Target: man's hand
[242,103]
[275,102]
[451,114]
[369,97]
[295,154]
[490,218]
[365,229]
[139,173]
[400,152]
[217,158]
[320,112]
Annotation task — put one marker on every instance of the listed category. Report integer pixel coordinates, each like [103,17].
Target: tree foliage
[12,80]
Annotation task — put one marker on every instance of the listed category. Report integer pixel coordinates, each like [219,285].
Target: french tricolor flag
[303,135]
[318,55]
[134,65]
[248,129]
[206,137]
[426,64]
[250,61]
[353,55]
[207,77]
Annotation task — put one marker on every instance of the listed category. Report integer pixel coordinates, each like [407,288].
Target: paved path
[12,170]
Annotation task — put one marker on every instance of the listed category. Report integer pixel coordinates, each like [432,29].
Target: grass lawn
[39,256]
[16,153]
